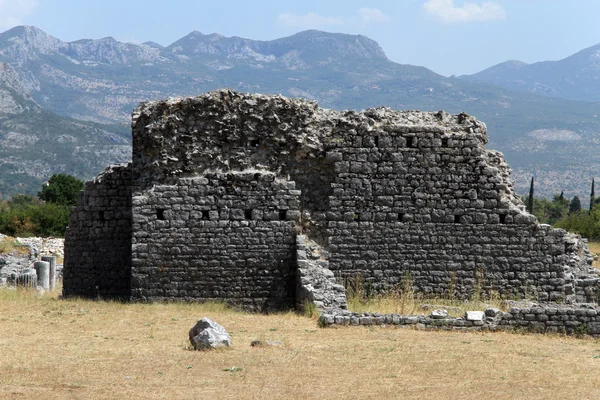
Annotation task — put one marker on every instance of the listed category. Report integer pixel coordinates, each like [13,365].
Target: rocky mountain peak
[24,43]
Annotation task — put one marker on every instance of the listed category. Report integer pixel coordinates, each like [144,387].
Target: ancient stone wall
[220,237]
[222,184]
[391,195]
[98,240]
[434,206]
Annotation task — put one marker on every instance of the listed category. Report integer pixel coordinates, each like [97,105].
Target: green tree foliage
[61,189]
[574,205]
[549,211]
[25,215]
[587,224]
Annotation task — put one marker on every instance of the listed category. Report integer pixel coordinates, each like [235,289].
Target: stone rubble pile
[23,265]
[46,246]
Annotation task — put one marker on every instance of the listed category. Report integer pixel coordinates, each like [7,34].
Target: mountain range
[89,87]
[576,77]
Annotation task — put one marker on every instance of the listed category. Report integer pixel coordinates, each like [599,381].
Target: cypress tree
[530,200]
[562,196]
[575,205]
[592,195]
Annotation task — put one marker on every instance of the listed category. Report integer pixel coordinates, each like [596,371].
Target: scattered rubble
[17,263]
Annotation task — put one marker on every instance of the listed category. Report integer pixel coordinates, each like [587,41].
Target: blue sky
[447,36]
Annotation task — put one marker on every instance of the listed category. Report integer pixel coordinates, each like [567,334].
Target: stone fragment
[474,315]
[439,314]
[207,334]
[491,312]
[42,268]
[265,343]
[52,276]
[28,277]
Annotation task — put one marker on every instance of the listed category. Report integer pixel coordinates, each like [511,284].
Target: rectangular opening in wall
[205,215]
[101,215]
[457,219]
[502,218]
[376,141]
[253,143]
[409,141]
[160,214]
[248,214]
[400,217]
[282,215]
[357,216]
[444,142]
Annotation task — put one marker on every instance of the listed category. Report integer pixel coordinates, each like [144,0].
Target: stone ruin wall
[219,236]
[98,239]
[388,196]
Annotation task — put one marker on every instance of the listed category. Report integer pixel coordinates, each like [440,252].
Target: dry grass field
[79,349]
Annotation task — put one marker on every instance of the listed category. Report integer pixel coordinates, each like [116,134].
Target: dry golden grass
[595,249]
[9,244]
[404,300]
[77,349]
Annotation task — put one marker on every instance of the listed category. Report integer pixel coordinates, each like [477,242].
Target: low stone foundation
[572,319]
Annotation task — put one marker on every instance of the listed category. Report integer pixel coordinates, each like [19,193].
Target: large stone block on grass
[207,334]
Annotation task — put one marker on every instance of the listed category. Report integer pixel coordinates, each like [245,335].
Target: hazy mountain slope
[35,143]
[576,77]
[102,80]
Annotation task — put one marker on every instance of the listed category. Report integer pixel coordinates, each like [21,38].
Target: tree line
[567,213]
[45,215]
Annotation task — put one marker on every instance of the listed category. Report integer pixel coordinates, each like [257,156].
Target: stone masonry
[221,185]
[98,240]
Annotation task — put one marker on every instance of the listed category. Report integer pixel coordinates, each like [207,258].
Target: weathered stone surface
[491,312]
[51,260]
[42,269]
[438,314]
[315,282]
[28,277]
[207,334]
[98,238]
[474,315]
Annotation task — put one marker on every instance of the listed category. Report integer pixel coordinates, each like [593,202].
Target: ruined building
[265,201]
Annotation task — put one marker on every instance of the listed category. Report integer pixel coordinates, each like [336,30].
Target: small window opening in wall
[101,215]
[409,142]
[160,214]
[376,141]
[256,176]
[502,218]
[282,215]
[400,216]
[248,214]
[205,215]
[457,219]
[254,143]
[357,216]
[445,142]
